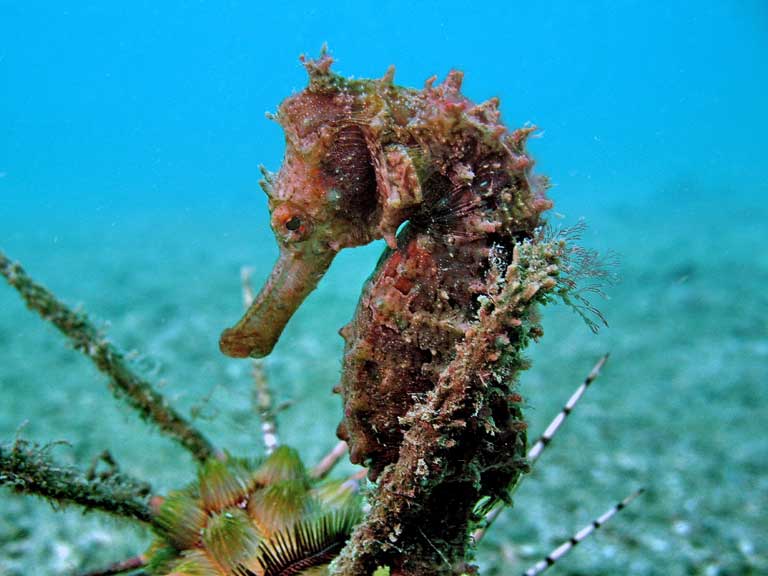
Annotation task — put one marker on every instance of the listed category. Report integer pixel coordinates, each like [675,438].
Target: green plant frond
[283,464]
[160,557]
[180,520]
[305,546]
[279,505]
[224,483]
[484,505]
[230,537]
[192,489]
[488,503]
[245,467]
[381,571]
[196,563]
[335,494]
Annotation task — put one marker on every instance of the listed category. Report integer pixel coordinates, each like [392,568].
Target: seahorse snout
[293,277]
[236,344]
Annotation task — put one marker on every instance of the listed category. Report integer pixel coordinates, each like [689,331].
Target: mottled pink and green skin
[363,157]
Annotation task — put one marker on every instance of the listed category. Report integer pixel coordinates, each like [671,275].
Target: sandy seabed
[680,408]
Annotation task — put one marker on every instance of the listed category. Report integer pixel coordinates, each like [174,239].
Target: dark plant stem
[29,469]
[123,382]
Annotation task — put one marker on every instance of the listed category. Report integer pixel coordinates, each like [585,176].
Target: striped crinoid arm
[535,452]
[549,433]
[556,554]
[538,447]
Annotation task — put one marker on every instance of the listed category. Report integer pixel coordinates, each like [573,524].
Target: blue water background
[130,135]
[145,106]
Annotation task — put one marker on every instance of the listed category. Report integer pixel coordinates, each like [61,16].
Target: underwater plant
[432,358]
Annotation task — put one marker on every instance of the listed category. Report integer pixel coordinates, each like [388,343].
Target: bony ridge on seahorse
[363,157]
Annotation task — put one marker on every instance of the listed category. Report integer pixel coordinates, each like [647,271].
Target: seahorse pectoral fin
[293,277]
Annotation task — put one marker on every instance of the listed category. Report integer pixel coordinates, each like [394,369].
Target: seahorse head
[338,187]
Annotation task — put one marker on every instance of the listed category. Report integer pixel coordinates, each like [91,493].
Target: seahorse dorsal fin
[389,76]
[318,68]
[453,81]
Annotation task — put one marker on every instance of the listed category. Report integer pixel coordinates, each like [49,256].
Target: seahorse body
[363,157]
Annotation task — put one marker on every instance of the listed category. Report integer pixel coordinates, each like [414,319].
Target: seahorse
[443,182]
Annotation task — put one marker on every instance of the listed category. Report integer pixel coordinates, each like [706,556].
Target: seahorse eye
[293,224]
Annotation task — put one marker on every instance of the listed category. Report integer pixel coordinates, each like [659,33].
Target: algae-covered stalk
[141,395]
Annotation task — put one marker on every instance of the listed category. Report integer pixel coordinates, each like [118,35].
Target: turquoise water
[130,139]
